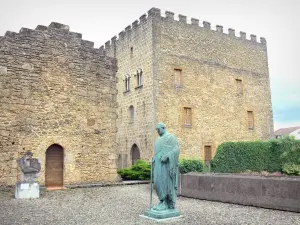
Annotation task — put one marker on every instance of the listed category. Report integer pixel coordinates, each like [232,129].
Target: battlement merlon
[155,13]
[59,26]
[63,31]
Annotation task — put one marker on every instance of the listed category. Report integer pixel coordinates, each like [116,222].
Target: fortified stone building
[206,85]
[85,112]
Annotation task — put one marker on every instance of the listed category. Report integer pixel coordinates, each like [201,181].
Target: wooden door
[54,166]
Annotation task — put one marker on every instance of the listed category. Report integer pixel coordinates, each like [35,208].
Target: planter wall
[269,192]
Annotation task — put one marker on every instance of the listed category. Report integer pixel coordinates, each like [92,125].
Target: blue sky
[98,21]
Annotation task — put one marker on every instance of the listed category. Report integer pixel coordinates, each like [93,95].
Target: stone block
[3,70]
[27,190]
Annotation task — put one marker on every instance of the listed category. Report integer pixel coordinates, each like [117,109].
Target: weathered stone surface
[210,61]
[3,70]
[27,190]
[270,192]
[49,95]
[139,131]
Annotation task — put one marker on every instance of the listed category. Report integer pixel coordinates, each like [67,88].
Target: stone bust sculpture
[166,153]
[30,167]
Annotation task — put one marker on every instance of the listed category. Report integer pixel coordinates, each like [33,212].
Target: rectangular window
[239,87]
[178,78]
[207,155]
[127,83]
[250,120]
[139,78]
[187,116]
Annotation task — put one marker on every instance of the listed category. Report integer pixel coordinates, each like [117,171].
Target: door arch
[54,166]
[134,153]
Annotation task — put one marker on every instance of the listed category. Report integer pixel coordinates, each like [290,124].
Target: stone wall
[210,61]
[133,50]
[57,89]
[281,193]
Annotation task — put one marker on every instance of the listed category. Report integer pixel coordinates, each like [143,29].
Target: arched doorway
[135,153]
[54,166]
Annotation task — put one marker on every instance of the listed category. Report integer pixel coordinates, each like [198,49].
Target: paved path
[123,205]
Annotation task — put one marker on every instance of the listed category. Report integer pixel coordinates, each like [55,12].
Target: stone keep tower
[206,85]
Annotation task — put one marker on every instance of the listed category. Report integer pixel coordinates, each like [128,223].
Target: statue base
[160,216]
[27,190]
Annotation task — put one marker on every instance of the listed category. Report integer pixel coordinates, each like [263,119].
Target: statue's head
[161,128]
[28,155]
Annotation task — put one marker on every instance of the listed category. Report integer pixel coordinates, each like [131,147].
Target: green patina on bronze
[165,165]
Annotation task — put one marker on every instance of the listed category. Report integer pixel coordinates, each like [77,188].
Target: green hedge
[190,165]
[234,157]
[139,171]
[271,156]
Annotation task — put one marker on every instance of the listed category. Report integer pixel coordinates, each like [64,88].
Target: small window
[187,116]
[127,83]
[139,75]
[239,87]
[131,52]
[207,155]
[250,120]
[131,113]
[178,77]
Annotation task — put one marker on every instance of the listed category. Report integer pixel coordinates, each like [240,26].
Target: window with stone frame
[239,87]
[250,120]
[207,155]
[178,77]
[187,116]
[127,83]
[139,77]
[131,113]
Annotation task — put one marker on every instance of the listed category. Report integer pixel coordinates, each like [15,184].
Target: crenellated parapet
[155,13]
[56,29]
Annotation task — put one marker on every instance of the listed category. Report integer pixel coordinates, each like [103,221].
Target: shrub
[139,171]
[291,169]
[190,165]
[290,158]
[291,150]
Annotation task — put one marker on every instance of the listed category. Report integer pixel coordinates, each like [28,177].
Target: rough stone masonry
[57,89]
[207,85]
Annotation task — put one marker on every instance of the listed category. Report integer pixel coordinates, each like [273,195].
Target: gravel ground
[123,205]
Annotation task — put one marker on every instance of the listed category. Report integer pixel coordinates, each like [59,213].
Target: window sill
[188,125]
[138,87]
[251,128]
[125,92]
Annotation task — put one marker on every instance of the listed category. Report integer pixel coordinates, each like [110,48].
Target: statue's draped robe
[166,173]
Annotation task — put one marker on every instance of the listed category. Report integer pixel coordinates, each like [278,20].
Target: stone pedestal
[27,190]
[160,216]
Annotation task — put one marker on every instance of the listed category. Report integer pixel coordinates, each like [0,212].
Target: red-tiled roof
[286,131]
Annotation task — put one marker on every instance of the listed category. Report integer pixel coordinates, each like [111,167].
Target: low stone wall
[270,192]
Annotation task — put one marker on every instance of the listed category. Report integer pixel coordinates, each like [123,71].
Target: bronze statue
[165,161]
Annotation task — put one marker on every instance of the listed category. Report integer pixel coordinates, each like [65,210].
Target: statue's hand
[164,158]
